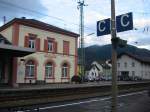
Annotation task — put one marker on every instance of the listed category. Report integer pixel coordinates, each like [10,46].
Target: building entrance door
[125,75]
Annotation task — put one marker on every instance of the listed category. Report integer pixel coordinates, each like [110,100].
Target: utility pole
[81,31]
[114,57]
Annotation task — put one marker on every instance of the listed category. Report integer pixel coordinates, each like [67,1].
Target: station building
[55,57]
[8,56]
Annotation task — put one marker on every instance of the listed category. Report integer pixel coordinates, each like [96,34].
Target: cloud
[144,46]
[141,22]
[91,40]
[66,10]
[18,8]
[93,16]
[64,14]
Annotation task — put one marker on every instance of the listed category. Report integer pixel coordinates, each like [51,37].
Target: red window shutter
[66,47]
[55,47]
[63,47]
[38,44]
[46,45]
[35,71]
[26,71]
[26,41]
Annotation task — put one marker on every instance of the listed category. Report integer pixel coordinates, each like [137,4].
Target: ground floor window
[30,69]
[49,70]
[133,73]
[65,70]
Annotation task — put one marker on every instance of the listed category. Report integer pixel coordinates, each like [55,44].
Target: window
[66,47]
[30,69]
[118,64]
[49,70]
[65,70]
[125,64]
[142,72]
[94,68]
[133,64]
[32,43]
[50,46]
[133,73]
[92,74]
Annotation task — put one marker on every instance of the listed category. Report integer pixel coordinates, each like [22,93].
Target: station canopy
[7,49]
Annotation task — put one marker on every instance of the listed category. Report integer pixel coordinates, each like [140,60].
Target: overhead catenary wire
[40,13]
[53,17]
[62,20]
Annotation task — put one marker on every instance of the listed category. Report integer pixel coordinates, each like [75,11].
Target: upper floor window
[31,43]
[66,47]
[133,64]
[118,64]
[125,64]
[93,73]
[50,46]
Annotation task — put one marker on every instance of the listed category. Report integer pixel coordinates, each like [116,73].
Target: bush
[76,79]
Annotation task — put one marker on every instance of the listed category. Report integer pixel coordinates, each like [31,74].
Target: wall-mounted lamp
[23,60]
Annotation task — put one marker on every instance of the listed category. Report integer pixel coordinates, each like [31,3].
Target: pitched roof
[2,38]
[104,64]
[136,57]
[100,62]
[39,25]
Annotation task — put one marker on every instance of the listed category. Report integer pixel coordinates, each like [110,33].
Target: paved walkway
[54,86]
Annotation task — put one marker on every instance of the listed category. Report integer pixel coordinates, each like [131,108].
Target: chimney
[4,19]
[23,18]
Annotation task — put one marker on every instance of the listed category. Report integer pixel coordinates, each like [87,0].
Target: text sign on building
[123,23]
[103,27]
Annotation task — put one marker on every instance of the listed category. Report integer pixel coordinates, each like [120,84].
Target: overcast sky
[64,14]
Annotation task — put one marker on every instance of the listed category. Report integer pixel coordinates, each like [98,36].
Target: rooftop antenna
[4,19]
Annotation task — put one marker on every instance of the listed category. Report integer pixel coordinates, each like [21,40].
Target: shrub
[76,79]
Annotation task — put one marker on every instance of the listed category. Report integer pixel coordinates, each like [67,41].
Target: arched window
[65,70]
[30,69]
[49,70]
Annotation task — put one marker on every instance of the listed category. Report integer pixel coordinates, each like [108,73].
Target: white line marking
[90,101]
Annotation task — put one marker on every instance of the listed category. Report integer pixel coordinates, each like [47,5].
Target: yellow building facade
[55,60]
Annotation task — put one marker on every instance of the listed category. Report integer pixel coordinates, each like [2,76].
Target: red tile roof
[40,25]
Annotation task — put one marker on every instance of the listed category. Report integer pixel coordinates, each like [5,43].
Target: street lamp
[89,34]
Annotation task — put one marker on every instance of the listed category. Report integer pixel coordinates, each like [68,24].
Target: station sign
[123,23]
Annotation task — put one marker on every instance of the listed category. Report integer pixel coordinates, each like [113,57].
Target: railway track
[19,98]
